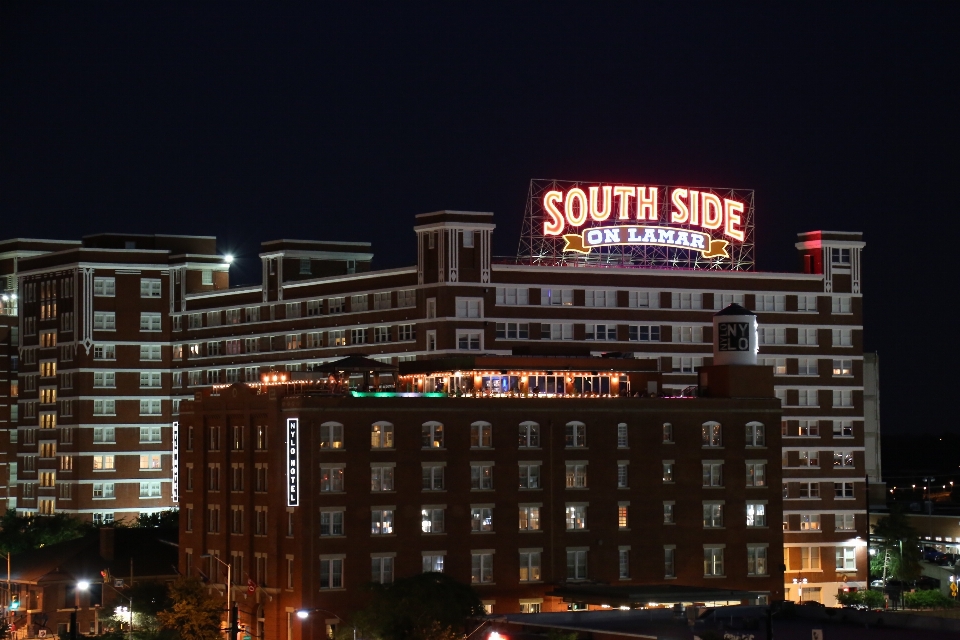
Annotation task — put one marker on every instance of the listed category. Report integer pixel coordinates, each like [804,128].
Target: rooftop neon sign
[689,207]
[574,222]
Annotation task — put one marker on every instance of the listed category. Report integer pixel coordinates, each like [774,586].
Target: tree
[23,533]
[195,614]
[873,599]
[931,598]
[895,535]
[169,519]
[427,606]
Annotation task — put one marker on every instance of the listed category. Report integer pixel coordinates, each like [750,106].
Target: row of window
[148,352]
[101,435]
[811,490]
[811,428]
[811,458]
[510,296]
[433,518]
[813,522]
[481,475]
[149,287]
[530,565]
[47,289]
[809,559]
[27,463]
[107,490]
[236,433]
[809,366]
[808,336]
[312,340]
[810,397]
[108,407]
[481,435]
[309,308]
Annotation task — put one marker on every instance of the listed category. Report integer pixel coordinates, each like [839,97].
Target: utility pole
[230,608]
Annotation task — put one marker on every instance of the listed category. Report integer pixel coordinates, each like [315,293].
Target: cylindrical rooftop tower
[735,339]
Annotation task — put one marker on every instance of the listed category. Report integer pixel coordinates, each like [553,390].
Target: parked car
[812,603]
[932,555]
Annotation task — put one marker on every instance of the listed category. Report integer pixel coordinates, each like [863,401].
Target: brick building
[319,301]
[515,490]
[94,408]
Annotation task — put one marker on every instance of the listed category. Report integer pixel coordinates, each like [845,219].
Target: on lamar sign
[691,209]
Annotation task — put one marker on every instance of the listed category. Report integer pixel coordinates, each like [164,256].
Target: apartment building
[94,410]
[310,493]
[319,301]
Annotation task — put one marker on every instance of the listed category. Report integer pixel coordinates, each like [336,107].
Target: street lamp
[801,582]
[82,585]
[9,603]
[303,614]
[120,610]
[229,567]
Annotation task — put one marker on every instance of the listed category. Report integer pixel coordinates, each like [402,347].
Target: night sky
[252,122]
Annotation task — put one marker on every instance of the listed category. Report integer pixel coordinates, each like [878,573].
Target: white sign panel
[293,454]
[175,467]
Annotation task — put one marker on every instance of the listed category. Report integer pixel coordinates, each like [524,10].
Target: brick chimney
[107,542]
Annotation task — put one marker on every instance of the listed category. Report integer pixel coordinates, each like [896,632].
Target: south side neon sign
[634,212]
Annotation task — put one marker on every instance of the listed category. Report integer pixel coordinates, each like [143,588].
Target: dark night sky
[253,122]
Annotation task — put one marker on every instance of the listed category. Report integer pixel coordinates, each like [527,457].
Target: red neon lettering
[554,226]
[681,214]
[578,197]
[731,211]
[623,194]
[646,203]
[694,207]
[596,213]
[712,212]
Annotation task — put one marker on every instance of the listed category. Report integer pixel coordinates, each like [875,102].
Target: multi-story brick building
[93,430]
[312,494]
[319,301]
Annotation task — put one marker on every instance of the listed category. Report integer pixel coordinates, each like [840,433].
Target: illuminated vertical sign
[293,453]
[175,489]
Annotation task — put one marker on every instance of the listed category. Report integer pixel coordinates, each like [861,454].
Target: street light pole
[9,601]
[229,566]
[130,611]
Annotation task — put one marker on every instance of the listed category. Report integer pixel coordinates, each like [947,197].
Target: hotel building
[535,479]
[320,301]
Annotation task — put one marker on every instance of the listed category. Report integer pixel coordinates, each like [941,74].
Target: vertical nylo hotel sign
[293,454]
[175,464]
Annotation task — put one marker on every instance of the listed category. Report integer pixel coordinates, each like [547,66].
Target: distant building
[142,323]
[45,581]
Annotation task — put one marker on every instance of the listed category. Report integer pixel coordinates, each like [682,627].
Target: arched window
[432,435]
[756,435]
[712,434]
[381,435]
[481,435]
[529,435]
[576,435]
[331,435]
